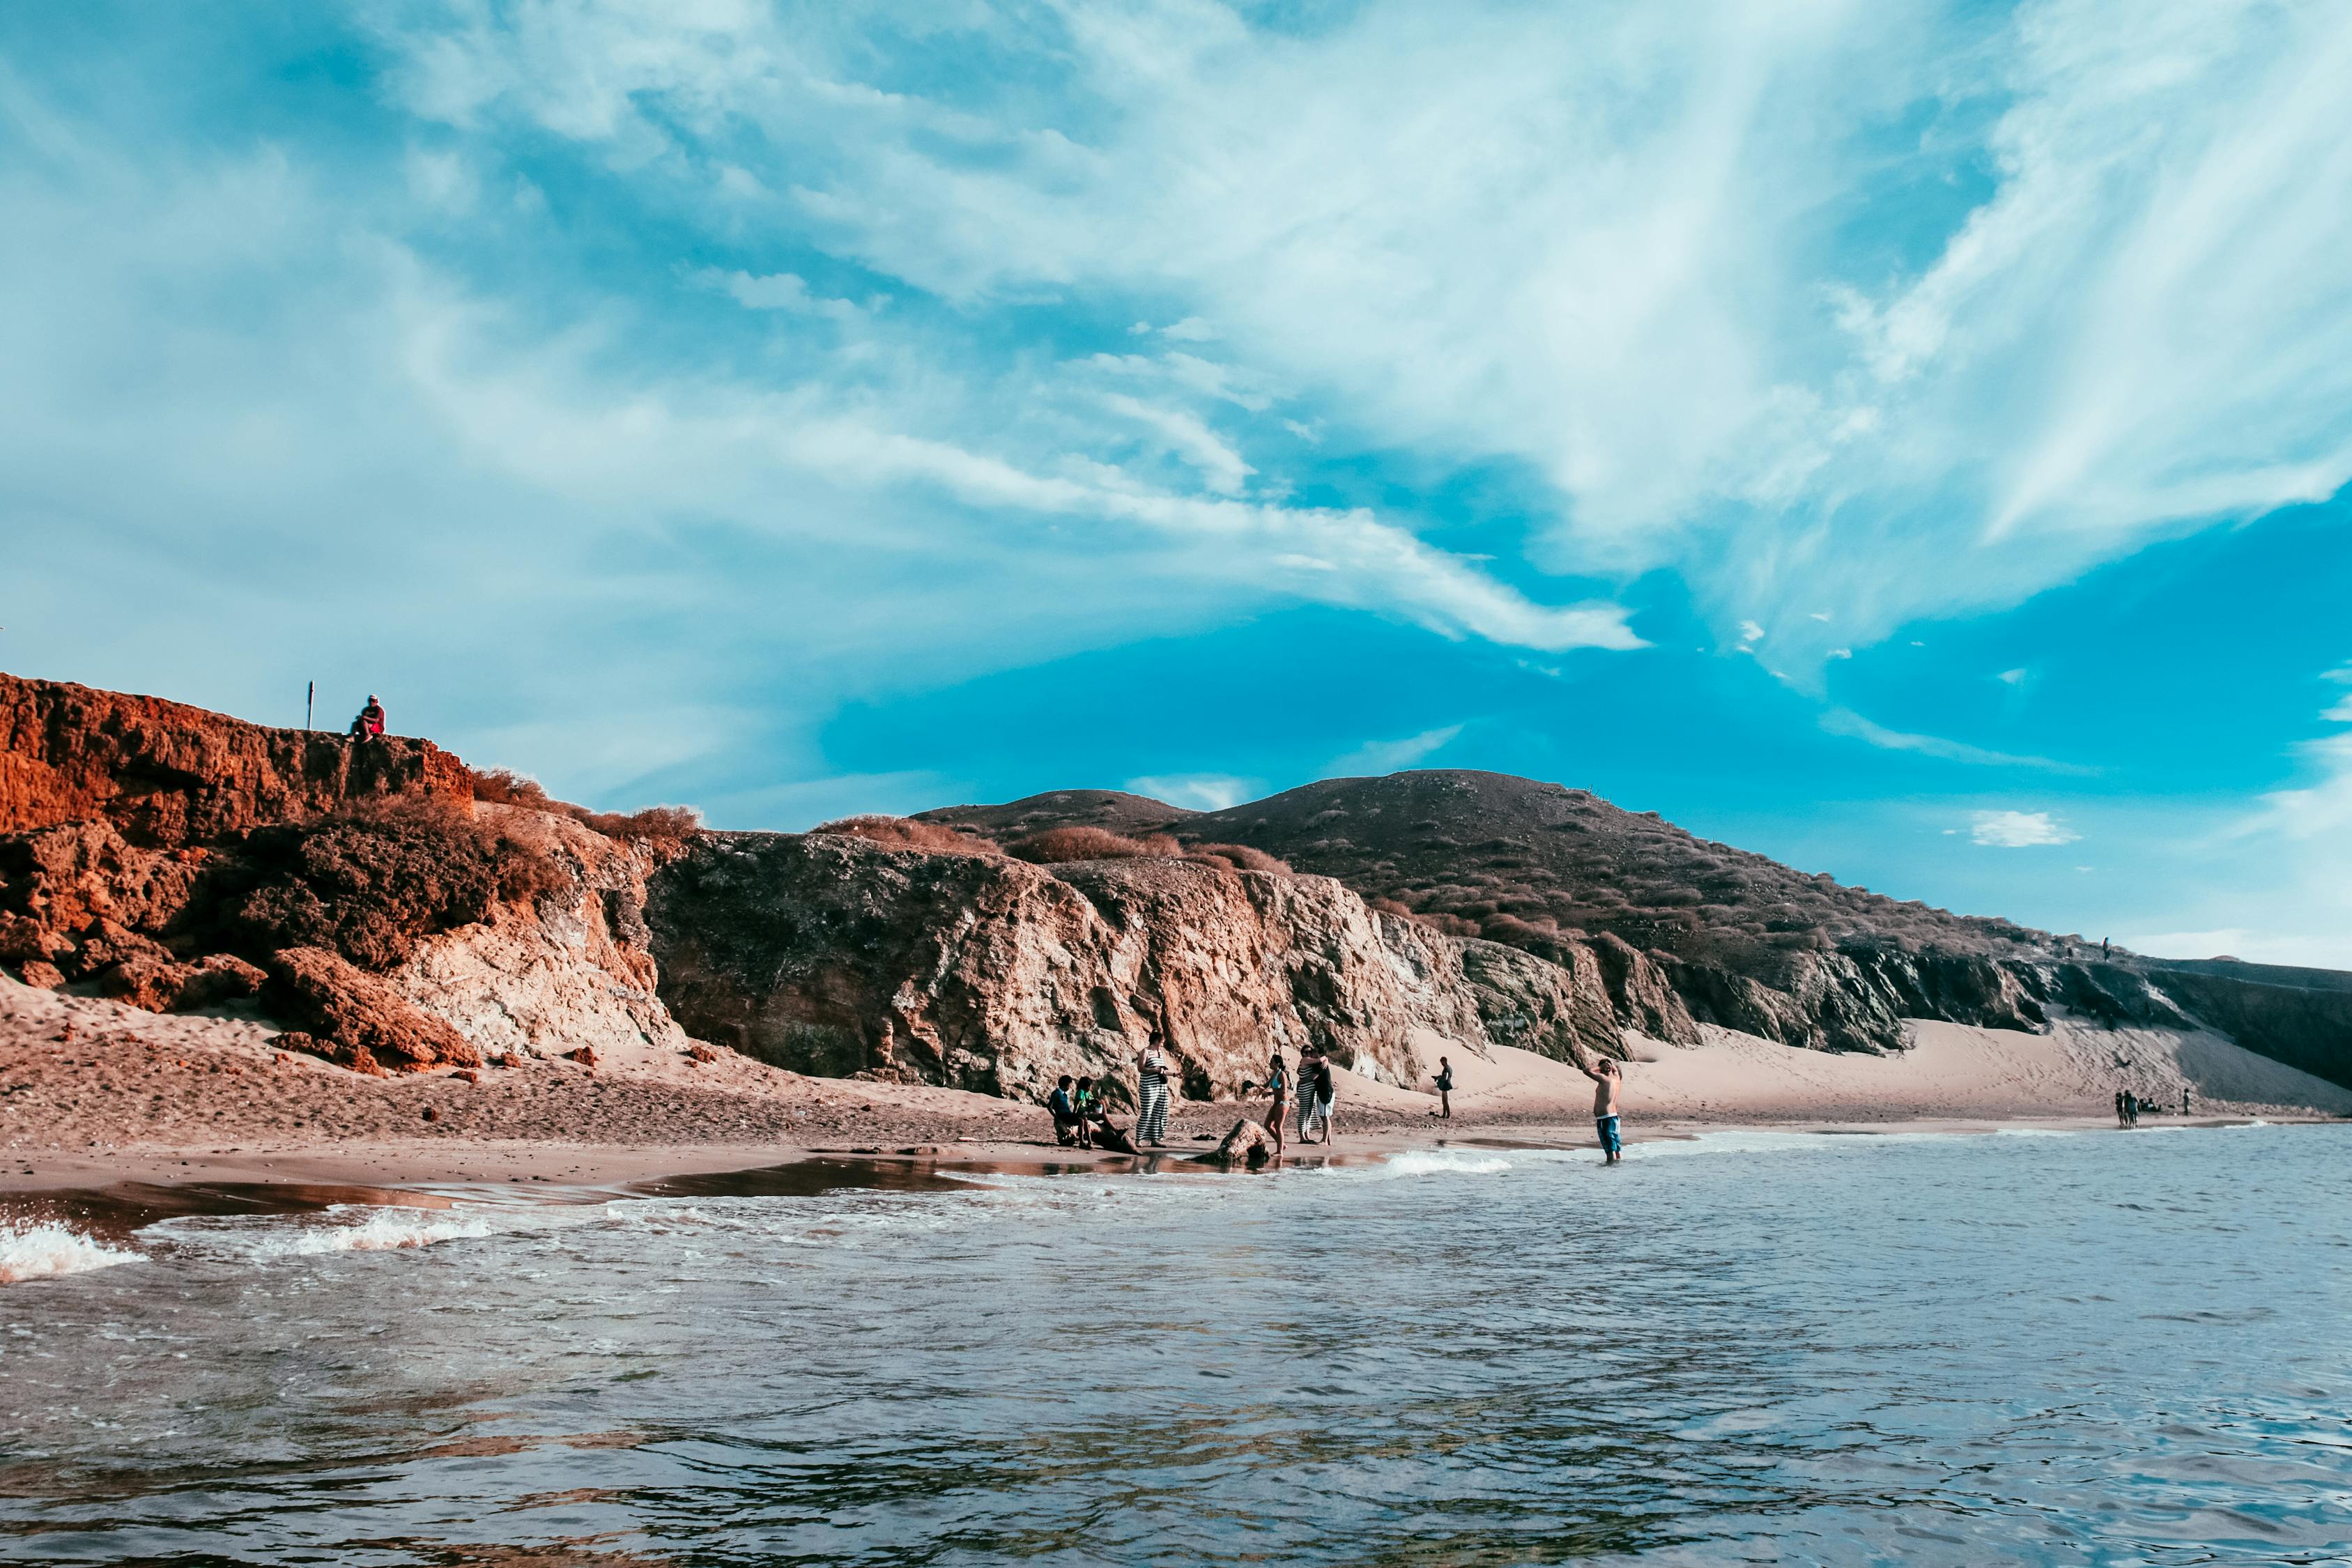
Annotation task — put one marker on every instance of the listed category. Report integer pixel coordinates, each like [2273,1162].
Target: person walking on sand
[1444,1110]
[371,719]
[2131,1108]
[2184,1100]
[2120,1121]
[1150,1096]
[1605,1078]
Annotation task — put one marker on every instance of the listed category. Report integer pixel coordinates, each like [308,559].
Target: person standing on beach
[2184,1100]
[1152,1095]
[1278,1084]
[2131,1108]
[1316,1090]
[2121,1120]
[1445,1090]
[1604,1079]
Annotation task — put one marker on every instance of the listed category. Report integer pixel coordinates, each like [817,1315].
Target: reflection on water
[2095,1348]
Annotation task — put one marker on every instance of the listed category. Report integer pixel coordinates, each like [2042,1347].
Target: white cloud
[2012,677]
[785,291]
[1640,294]
[2340,711]
[1221,469]
[2018,829]
[1751,632]
[1388,756]
[1196,792]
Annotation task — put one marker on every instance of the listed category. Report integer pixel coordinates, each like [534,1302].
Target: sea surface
[2095,1348]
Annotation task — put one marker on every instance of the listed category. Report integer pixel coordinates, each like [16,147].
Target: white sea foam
[2037,1131]
[47,1251]
[343,1229]
[1446,1162]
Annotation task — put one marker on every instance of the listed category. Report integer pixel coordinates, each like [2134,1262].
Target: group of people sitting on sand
[2129,1106]
[1082,1117]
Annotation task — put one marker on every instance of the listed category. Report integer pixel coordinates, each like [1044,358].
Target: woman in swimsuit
[1277,1083]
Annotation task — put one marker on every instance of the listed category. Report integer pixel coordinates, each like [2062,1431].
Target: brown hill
[1743,941]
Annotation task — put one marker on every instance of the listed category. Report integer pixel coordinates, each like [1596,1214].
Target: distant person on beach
[2131,1108]
[1445,1090]
[1605,1078]
[1069,1127]
[1316,1092]
[371,719]
[1150,1096]
[2184,1100]
[2122,1118]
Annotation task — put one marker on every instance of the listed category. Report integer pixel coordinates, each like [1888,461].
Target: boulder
[336,1001]
[1248,1143]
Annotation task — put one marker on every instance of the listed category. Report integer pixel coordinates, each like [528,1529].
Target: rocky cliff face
[165,775]
[832,955]
[350,889]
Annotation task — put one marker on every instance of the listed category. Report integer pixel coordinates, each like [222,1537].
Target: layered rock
[167,774]
[832,955]
[1559,1009]
[572,969]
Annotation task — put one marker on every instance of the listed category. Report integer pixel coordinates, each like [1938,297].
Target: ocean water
[2101,1348]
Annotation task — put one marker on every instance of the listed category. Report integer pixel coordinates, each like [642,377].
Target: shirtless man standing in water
[1604,1107]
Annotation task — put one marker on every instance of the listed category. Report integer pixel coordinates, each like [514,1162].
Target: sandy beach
[93,1093]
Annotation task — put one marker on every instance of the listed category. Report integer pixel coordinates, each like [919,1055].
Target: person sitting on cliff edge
[371,719]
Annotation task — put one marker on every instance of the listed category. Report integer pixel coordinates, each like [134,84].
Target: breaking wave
[48,1250]
[345,1228]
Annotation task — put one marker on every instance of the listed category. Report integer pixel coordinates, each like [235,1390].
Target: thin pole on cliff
[310,694]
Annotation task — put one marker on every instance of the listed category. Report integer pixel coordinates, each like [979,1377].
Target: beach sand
[93,1094]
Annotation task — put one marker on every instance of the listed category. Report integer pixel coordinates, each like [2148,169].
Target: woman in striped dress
[1151,1097]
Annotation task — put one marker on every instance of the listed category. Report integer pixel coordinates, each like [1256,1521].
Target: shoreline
[532,1169]
[95,1095]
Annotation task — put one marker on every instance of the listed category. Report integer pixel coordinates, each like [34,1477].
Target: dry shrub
[905,833]
[371,880]
[1391,907]
[1060,845]
[504,787]
[658,825]
[1239,858]
[655,824]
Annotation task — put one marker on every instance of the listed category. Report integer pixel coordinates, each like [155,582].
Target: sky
[1907,441]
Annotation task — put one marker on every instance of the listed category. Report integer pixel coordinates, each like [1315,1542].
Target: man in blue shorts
[1605,1079]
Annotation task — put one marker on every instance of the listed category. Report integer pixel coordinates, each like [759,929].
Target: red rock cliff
[167,774]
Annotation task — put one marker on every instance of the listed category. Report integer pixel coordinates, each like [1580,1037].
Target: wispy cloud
[1845,722]
[1196,792]
[1388,756]
[1622,290]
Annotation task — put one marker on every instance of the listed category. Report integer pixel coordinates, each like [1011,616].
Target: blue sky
[1907,441]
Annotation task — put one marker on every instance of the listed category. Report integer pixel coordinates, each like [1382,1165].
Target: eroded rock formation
[834,954]
[348,889]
